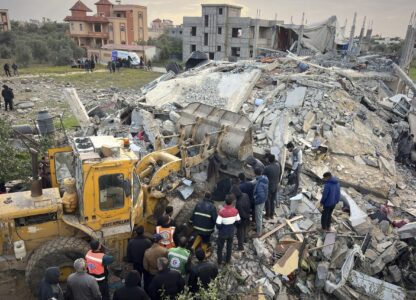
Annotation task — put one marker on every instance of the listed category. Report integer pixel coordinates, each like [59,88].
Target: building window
[110,27]
[193,48]
[118,15]
[72,26]
[220,11]
[211,55]
[193,31]
[80,26]
[219,30]
[206,39]
[97,27]
[111,191]
[122,27]
[236,32]
[206,20]
[235,51]
[123,42]
[218,48]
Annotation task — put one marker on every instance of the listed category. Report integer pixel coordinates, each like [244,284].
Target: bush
[23,55]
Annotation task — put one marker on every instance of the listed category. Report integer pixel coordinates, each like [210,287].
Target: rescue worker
[296,165]
[166,232]
[227,218]
[80,285]
[203,220]
[131,289]
[330,197]
[169,213]
[49,286]
[244,209]
[273,172]
[97,263]
[202,273]
[8,96]
[261,190]
[150,260]
[136,249]
[180,257]
[167,284]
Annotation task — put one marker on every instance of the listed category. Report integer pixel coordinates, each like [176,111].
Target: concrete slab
[295,97]
[330,238]
[376,288]
[407,231]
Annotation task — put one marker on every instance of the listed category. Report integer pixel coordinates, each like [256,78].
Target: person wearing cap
[167,284]
[202,273]
[297,163]
[8,96]
[330,197]
[80,285]
[136,248]
[97,263]
[168,213]
[131,289]
[150,260]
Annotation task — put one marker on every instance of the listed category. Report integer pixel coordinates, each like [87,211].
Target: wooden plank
[294,227]
[267,234]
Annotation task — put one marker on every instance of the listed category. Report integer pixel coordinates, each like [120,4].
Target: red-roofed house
[112,24]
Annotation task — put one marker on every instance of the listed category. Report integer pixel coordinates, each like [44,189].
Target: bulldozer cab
[107,187]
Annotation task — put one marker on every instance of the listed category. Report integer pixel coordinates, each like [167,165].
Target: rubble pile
[372,245]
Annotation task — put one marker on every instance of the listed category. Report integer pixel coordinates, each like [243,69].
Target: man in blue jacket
[330,197]
[261,190]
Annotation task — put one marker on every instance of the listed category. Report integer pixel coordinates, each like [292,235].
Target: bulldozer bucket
[230,132]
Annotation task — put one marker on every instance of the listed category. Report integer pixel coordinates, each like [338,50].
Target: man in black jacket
[203,219]
[273,173]
[131,289]
[203,272]
[49,286]
[244,209]
[166,284]
[8,97]
[136,248]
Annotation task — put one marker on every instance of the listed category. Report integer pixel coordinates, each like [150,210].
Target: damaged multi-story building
[222,32]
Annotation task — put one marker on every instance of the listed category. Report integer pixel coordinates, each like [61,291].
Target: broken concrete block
[376,288]
[305,224]
[186,191]
[321,274]
[387,256]
[396,273]
[261,249]
[308,121]
[357,216]
[407,231]
[383,246]
[385,226]
[295,97]
[329,239]
[371,254]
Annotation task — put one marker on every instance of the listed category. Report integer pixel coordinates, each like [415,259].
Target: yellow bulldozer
[102,190]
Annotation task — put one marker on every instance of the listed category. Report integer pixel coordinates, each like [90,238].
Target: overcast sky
[390,17]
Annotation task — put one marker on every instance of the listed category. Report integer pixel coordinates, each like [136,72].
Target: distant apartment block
[221,32]
[4,20]
[159,27]
[120,24]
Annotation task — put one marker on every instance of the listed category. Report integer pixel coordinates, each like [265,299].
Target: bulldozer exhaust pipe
[36,185]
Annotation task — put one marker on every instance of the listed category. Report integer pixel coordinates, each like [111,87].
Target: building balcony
[91,34]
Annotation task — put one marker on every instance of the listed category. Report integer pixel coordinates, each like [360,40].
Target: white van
[116,54]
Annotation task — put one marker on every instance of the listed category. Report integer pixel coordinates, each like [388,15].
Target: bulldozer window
[136,188]
[64,167]
[111,191]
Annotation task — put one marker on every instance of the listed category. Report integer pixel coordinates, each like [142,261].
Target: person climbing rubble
[330,197]
[203,220]
[297,162]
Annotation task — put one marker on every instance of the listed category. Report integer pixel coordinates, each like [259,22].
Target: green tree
[13,164]
[23,55]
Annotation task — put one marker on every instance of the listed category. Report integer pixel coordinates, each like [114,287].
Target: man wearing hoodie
[330,197]
[131,289]
[49,286]
[261,190]
[80,285]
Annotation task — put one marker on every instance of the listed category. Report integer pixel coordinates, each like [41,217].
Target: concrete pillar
[300,35]
[351,40]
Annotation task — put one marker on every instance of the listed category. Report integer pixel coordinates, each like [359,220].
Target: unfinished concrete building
[221,32]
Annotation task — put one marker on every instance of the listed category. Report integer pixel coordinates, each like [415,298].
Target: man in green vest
[180,257]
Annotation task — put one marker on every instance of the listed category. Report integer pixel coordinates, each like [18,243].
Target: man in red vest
[166,232]
[97,262]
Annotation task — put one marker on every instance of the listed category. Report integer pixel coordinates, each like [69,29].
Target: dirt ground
[13,286]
